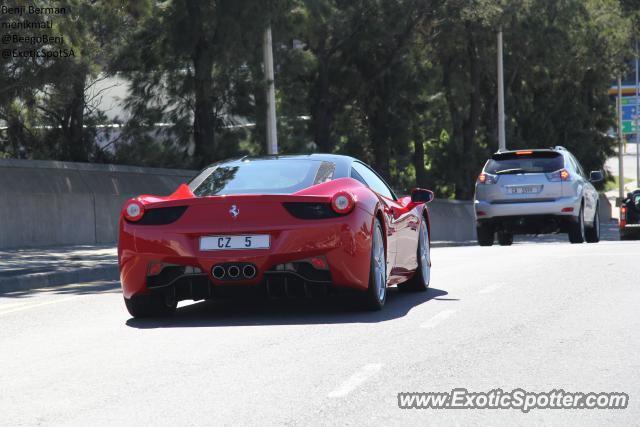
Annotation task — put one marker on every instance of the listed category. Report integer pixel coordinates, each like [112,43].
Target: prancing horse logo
[234,211]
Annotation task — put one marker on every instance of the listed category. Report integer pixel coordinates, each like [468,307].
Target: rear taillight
[319,263]
[623,216]
[559,175]
[342,203]
[155,268]
[133,210]
[486,178]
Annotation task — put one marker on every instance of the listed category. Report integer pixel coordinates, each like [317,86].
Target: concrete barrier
[45,203]
[604,208]
[452,220]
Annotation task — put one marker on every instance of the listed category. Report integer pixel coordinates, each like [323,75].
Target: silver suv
[536,192]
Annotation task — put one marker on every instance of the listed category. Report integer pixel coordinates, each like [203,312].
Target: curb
[58,278]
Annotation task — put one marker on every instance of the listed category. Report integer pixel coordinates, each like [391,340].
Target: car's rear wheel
[141,306]
[576,228]
[592,234]
[486,235]
[422,276]
[505,238]
[376,294]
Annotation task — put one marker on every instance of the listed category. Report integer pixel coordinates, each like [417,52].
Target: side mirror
[596,176]
[420,195]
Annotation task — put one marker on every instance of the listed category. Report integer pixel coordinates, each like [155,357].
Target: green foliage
[406,85]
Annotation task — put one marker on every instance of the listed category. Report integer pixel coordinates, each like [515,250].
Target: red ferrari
[282,226]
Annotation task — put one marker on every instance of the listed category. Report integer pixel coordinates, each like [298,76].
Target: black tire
[592,234]
[375,296]
[576,228]
[486,235]
[504,238]
[144,306]
[420,281]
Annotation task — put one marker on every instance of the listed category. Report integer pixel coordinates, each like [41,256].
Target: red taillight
[623,216]
[566,210]
[319,263]
[559,175]
[133,210]
[485,178]
[524,153]
[481,213]
[342,203]
[155,268]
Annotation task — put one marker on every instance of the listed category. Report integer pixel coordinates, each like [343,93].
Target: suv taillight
[559,175]
[623,216]
[487,178]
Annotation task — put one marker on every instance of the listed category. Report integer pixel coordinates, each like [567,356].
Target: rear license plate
[524,189]
[220,243]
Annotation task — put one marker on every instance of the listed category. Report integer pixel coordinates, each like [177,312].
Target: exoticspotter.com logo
[519,399]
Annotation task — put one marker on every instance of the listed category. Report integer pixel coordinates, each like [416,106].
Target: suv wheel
[485,235]
[592,234]
[505,238]
[576,229]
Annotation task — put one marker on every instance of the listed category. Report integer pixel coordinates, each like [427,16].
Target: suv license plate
[525,189]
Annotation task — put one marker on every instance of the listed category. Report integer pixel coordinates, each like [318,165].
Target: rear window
[261,177]
[533,162]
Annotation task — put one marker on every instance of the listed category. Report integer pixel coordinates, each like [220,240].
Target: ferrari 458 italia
[280,226]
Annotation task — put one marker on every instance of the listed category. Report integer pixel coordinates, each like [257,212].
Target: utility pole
[502,144]
[272,132]
[620,146]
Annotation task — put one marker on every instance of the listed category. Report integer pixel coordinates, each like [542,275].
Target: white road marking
[366,372]
[443,315]
[8,305]
[27,307]
[52,289]
[490,289]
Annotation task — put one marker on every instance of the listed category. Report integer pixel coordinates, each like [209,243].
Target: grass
[613,185]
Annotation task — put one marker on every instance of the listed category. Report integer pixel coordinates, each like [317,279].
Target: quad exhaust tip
[249,271]
[218,272]
[234,271]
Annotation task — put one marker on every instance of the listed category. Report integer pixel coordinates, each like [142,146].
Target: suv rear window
[526,162]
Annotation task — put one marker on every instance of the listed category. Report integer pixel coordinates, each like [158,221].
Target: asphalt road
[537,316]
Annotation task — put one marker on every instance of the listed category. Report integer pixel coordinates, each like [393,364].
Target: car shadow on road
[331,310]
[608,233]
